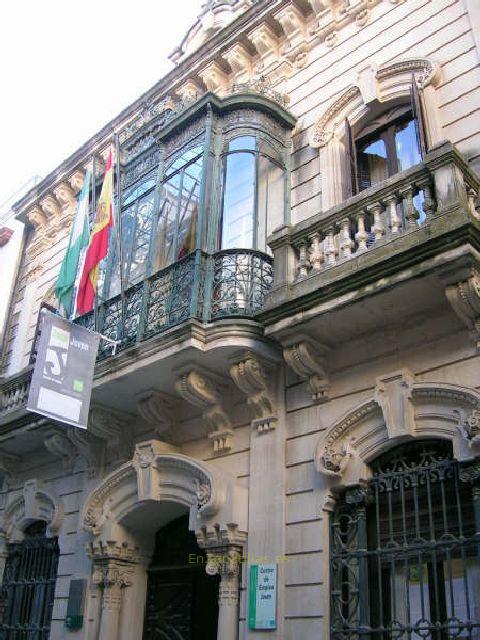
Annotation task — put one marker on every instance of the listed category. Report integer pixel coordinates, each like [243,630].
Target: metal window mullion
[177,216]
[255,195]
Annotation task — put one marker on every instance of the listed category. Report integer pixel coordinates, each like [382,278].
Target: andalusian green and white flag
[78,242]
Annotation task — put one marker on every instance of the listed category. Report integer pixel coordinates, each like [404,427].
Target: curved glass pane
[177,220]
[186,157]
[242,143]
[238,201]
[270,200]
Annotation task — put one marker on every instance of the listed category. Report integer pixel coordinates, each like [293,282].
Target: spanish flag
[98,245]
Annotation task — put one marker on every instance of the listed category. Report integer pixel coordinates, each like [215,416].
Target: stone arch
[36,502]
[377,86]
[125,511]
[401,409]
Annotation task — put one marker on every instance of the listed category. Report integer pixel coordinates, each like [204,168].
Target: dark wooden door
[181,598]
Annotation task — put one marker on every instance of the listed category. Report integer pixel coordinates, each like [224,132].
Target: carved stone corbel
[65,196]
[158,409]
[199,390]
[251,378]
[90,447]
[37,218]
[464,297]
[189,91]
[50,207]
[60,446]
[470,428]
[240,62]
[308,361]
[214,77]
[9,465]
[114,428]
[76,180]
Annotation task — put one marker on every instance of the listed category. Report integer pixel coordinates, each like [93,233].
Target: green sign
[263,597]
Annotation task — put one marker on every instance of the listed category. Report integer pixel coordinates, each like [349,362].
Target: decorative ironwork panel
[241,280]
[170,296]
[110,325]
[133,314]
[405,551]
[28,588]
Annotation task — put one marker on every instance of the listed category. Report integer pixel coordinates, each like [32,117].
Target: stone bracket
[464,296]
[308,361]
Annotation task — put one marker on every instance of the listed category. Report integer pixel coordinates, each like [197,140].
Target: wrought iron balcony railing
[230,283]
[373,227]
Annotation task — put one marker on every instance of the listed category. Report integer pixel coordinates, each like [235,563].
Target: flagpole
[94,205]
[118,229]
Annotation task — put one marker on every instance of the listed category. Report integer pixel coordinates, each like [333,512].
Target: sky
[67,68]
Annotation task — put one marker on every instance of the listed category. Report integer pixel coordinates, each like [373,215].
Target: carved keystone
[308,361]
[393,393]
[199,390]
[251,378]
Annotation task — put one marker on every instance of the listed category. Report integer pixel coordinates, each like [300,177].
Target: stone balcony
[399,257]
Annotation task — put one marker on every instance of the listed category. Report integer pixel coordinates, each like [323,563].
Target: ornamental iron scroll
[404,549]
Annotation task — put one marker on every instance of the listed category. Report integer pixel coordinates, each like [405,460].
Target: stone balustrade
[13,394]
[382,216]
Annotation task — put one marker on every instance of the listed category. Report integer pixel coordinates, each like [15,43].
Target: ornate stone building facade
[297,374]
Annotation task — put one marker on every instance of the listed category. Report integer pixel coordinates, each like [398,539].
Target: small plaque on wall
[263,597]
[76,598]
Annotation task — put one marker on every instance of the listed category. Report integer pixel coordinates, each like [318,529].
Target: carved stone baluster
[393,217]
[411,213]
[378,227]
[361,236]
[303,265]
[330,247]
[428,205]
[345,239]
[316,252]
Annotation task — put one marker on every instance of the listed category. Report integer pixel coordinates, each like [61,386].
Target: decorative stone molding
[465,300]
[91,448]
[60,446]
[76,180]
[198,389]
[36,502]
[470,428]
[158,409]
[65,196]
[222,440]
[51,208]
[189,91]
[9,465]
[114,428]
[225,562]
[37,218]
[240,61]
[308,361]
[157,473]
[377,83]
[265,41]
[214,77]
[250,376]
[400,409]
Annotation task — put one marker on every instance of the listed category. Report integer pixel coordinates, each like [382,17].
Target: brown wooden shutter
[351,159]
[417,109]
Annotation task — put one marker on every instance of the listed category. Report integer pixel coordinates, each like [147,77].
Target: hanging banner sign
[263,597]
[62,378]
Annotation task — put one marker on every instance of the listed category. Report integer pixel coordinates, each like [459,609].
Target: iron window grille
[29,585]
[405,550]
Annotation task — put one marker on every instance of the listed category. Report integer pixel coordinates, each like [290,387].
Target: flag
[78,241]
[98,245]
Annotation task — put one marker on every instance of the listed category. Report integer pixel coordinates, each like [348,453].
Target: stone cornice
[320,22]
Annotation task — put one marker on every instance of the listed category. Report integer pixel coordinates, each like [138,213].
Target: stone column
[226,563]
[113,566]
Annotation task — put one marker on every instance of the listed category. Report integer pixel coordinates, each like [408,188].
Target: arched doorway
[182,600]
